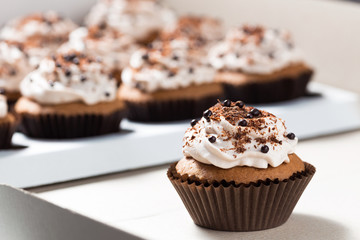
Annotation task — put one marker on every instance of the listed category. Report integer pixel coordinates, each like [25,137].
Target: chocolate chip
[255,112]
[175,58]
[207,115]
[107,94]
[291,136]
[212,139]
[240,104]
[249,115]
[69,57]
[51,83]
[145,57]
[67,72]
[83,78]
[264,149]
[12,72]
[193,122]
[171,74]
[191,70]
[227,103]
[243,123]
[57,64]
[76,61]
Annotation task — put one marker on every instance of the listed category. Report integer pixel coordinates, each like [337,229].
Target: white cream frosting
[87,82]
[166,67]
[113,47]
[255,49]
[3,106]
[48,24]
[244,150]
[135,18]
[13,66]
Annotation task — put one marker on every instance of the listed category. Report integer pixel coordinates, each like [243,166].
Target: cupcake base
[287,84]
[226,206]
[170,105]
[7,129]
[74,120]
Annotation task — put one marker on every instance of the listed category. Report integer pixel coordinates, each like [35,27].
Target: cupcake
[139,19]
[41,33]
[69,96]
[260,65]
[13,68]
[7,124]
[164,83]
[113,47]
[239,171]
[199,32]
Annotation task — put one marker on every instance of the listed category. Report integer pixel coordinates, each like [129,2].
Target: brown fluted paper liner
[53,126]
[171,110]
[7,130]
[229,207]
[272,91]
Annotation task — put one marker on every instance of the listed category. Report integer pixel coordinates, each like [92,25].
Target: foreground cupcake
[165,83]
[113,47]
[139,19]
[13,68]
[7,124]
[260,65]
[69,96]
[239,171]
[40,33]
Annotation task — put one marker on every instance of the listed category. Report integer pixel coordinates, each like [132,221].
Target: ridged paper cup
[58,126]
[228,207]
[7,129]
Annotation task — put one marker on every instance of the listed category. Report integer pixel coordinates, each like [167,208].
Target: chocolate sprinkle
[145,57]
[191,70]
[67,72]
[83,78]
[107,94]
[264,149]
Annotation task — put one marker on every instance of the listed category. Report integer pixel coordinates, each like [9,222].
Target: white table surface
[144,202]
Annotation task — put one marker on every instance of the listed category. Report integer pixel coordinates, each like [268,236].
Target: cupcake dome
[260,65]
[40,33]
[69,95]
[112,46]
[13,68]
[140,19]
[239,171]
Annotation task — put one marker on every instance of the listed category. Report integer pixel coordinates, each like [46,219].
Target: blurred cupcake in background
[14,67]
[41,33]
[260,65]
[112,46]
[69,96]
[165,83]
[199,33]
[7,124]
[139,19]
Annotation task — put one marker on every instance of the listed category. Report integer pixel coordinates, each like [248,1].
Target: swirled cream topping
[254,49]
[113,47]
[166,66]
[197,31]
[231,134]
[13,66]
[3,106]
[47,27]
[135,18]
[70,77]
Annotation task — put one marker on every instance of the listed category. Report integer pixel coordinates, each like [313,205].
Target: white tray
[41,162]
